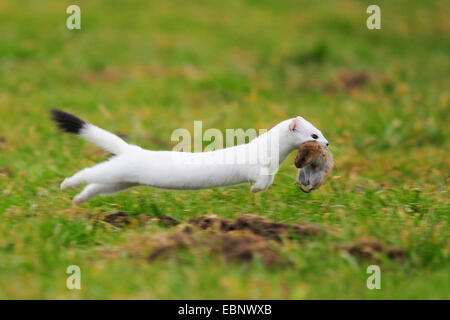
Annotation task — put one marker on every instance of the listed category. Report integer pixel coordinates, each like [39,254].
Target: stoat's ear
[293,125]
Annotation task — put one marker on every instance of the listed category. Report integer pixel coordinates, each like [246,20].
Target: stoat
[132,165]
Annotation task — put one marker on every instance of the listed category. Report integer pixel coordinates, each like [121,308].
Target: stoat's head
[301,130]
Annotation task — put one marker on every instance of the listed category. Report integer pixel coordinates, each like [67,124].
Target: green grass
[147,69]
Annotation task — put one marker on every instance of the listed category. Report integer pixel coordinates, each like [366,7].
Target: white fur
[104,139]
[133,165]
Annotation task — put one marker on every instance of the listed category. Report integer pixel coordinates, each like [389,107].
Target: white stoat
[133,165]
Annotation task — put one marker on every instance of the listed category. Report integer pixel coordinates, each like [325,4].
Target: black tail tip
[67,122]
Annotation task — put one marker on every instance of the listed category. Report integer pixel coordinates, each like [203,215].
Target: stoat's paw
[78,199]
[257,188]
[65,184]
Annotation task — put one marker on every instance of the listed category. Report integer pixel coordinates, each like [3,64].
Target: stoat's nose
[328,144]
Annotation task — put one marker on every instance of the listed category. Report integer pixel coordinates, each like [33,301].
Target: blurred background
[145,68]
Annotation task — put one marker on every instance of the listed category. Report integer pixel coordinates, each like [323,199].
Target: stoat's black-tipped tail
[67,122]
[106,140]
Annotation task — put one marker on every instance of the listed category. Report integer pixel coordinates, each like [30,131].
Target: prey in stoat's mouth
[131,165]
[314,163]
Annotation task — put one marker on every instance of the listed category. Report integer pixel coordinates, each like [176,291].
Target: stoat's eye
[314,136]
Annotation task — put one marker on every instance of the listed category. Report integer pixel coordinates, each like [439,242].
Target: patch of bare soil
[372,249]
[5,171]
[348,81]
[244,239]
[233,246]
[166,221]
[351,81]
[259,226]
[121,219]
[118,218]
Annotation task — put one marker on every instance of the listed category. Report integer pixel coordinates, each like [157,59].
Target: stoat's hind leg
[94,189]
[108,172]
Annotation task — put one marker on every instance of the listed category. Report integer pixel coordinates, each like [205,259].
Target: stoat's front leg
[262,183]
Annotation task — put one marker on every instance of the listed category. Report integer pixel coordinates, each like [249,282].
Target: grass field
[381,97]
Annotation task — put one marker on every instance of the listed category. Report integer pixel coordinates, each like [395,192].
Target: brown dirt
[371,250]
[167,221]
[248,247]
[5,171]
[244,239]
[348,81]
[118,218]
[234,247]
[259,226]
[351,81]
